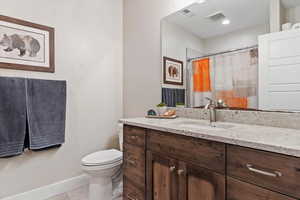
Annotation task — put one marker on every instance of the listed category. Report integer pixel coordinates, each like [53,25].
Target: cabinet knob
[131,162]
[180,172]
[172,168]
[133,137]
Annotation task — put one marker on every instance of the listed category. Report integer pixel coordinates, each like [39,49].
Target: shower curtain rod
[222,52]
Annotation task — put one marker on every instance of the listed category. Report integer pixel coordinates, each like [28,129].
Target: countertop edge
[230,141]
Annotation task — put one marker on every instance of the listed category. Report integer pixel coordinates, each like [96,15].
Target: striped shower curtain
[232,77]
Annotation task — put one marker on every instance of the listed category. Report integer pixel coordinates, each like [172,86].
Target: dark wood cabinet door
[132,191]
[134,164]
[272,171]
[238,190]
[161,177]
[204,153]
[197,183]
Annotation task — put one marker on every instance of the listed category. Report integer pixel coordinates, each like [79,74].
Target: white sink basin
[203,125]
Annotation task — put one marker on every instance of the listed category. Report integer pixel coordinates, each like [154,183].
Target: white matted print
[26,46]
[173,71]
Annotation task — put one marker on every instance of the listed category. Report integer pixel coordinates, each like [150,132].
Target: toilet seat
[105,159]
[101,167]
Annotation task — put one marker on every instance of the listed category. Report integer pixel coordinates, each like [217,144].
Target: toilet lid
[102,157]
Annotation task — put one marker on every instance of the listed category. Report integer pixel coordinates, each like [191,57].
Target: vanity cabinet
[238,190]
[162,180]
[200,183]
[134,163]
[171,179]
[182,168]
[203,153]
[268,170]
[167,166]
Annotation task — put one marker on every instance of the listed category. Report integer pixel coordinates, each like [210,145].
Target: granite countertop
[278,140]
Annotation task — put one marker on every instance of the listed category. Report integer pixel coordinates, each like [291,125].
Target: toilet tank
[120,133]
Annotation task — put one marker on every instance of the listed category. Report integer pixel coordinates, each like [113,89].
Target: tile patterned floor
[77,194]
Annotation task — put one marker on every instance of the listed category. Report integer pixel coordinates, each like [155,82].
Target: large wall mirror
[222,50]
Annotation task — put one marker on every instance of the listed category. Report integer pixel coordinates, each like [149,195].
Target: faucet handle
[211,101]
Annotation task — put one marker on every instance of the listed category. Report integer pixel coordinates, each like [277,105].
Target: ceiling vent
[187,13]
[216,16]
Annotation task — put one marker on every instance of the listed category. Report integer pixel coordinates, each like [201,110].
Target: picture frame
[173,71]
[26,46]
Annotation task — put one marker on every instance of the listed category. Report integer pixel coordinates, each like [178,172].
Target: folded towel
[12,116]
[172,96]
[46,113]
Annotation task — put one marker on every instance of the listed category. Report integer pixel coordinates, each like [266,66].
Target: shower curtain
[202,84]
[233,78]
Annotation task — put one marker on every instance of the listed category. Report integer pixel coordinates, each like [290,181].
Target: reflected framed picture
[26,46]
[173,71]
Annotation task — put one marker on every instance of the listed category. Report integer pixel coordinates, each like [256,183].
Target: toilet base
[100,188]
[101,174]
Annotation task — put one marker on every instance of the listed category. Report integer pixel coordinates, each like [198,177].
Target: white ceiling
[242,14]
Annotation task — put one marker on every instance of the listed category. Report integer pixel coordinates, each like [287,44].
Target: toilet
[101,167]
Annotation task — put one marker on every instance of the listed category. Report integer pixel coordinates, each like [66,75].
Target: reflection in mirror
[218,46]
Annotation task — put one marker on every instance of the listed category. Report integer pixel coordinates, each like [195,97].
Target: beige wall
[175,42]
[89,56]
[237,39]
[142,54]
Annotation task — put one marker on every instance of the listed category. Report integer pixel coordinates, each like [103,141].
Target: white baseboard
[48,191]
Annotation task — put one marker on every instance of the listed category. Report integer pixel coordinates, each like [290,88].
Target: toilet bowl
[101,166]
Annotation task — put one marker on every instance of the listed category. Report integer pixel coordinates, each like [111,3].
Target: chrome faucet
[211,106]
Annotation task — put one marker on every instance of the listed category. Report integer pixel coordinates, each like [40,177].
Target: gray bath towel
[171,96]
[12,116]
[46,112]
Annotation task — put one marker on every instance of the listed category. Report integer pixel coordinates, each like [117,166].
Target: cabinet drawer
[269,170]
[207,154]
[134,164]
[134,135]
[132,192]
[237,190]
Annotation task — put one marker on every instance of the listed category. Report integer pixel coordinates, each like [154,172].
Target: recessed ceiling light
[200,1]
[216,17]
[226,21]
